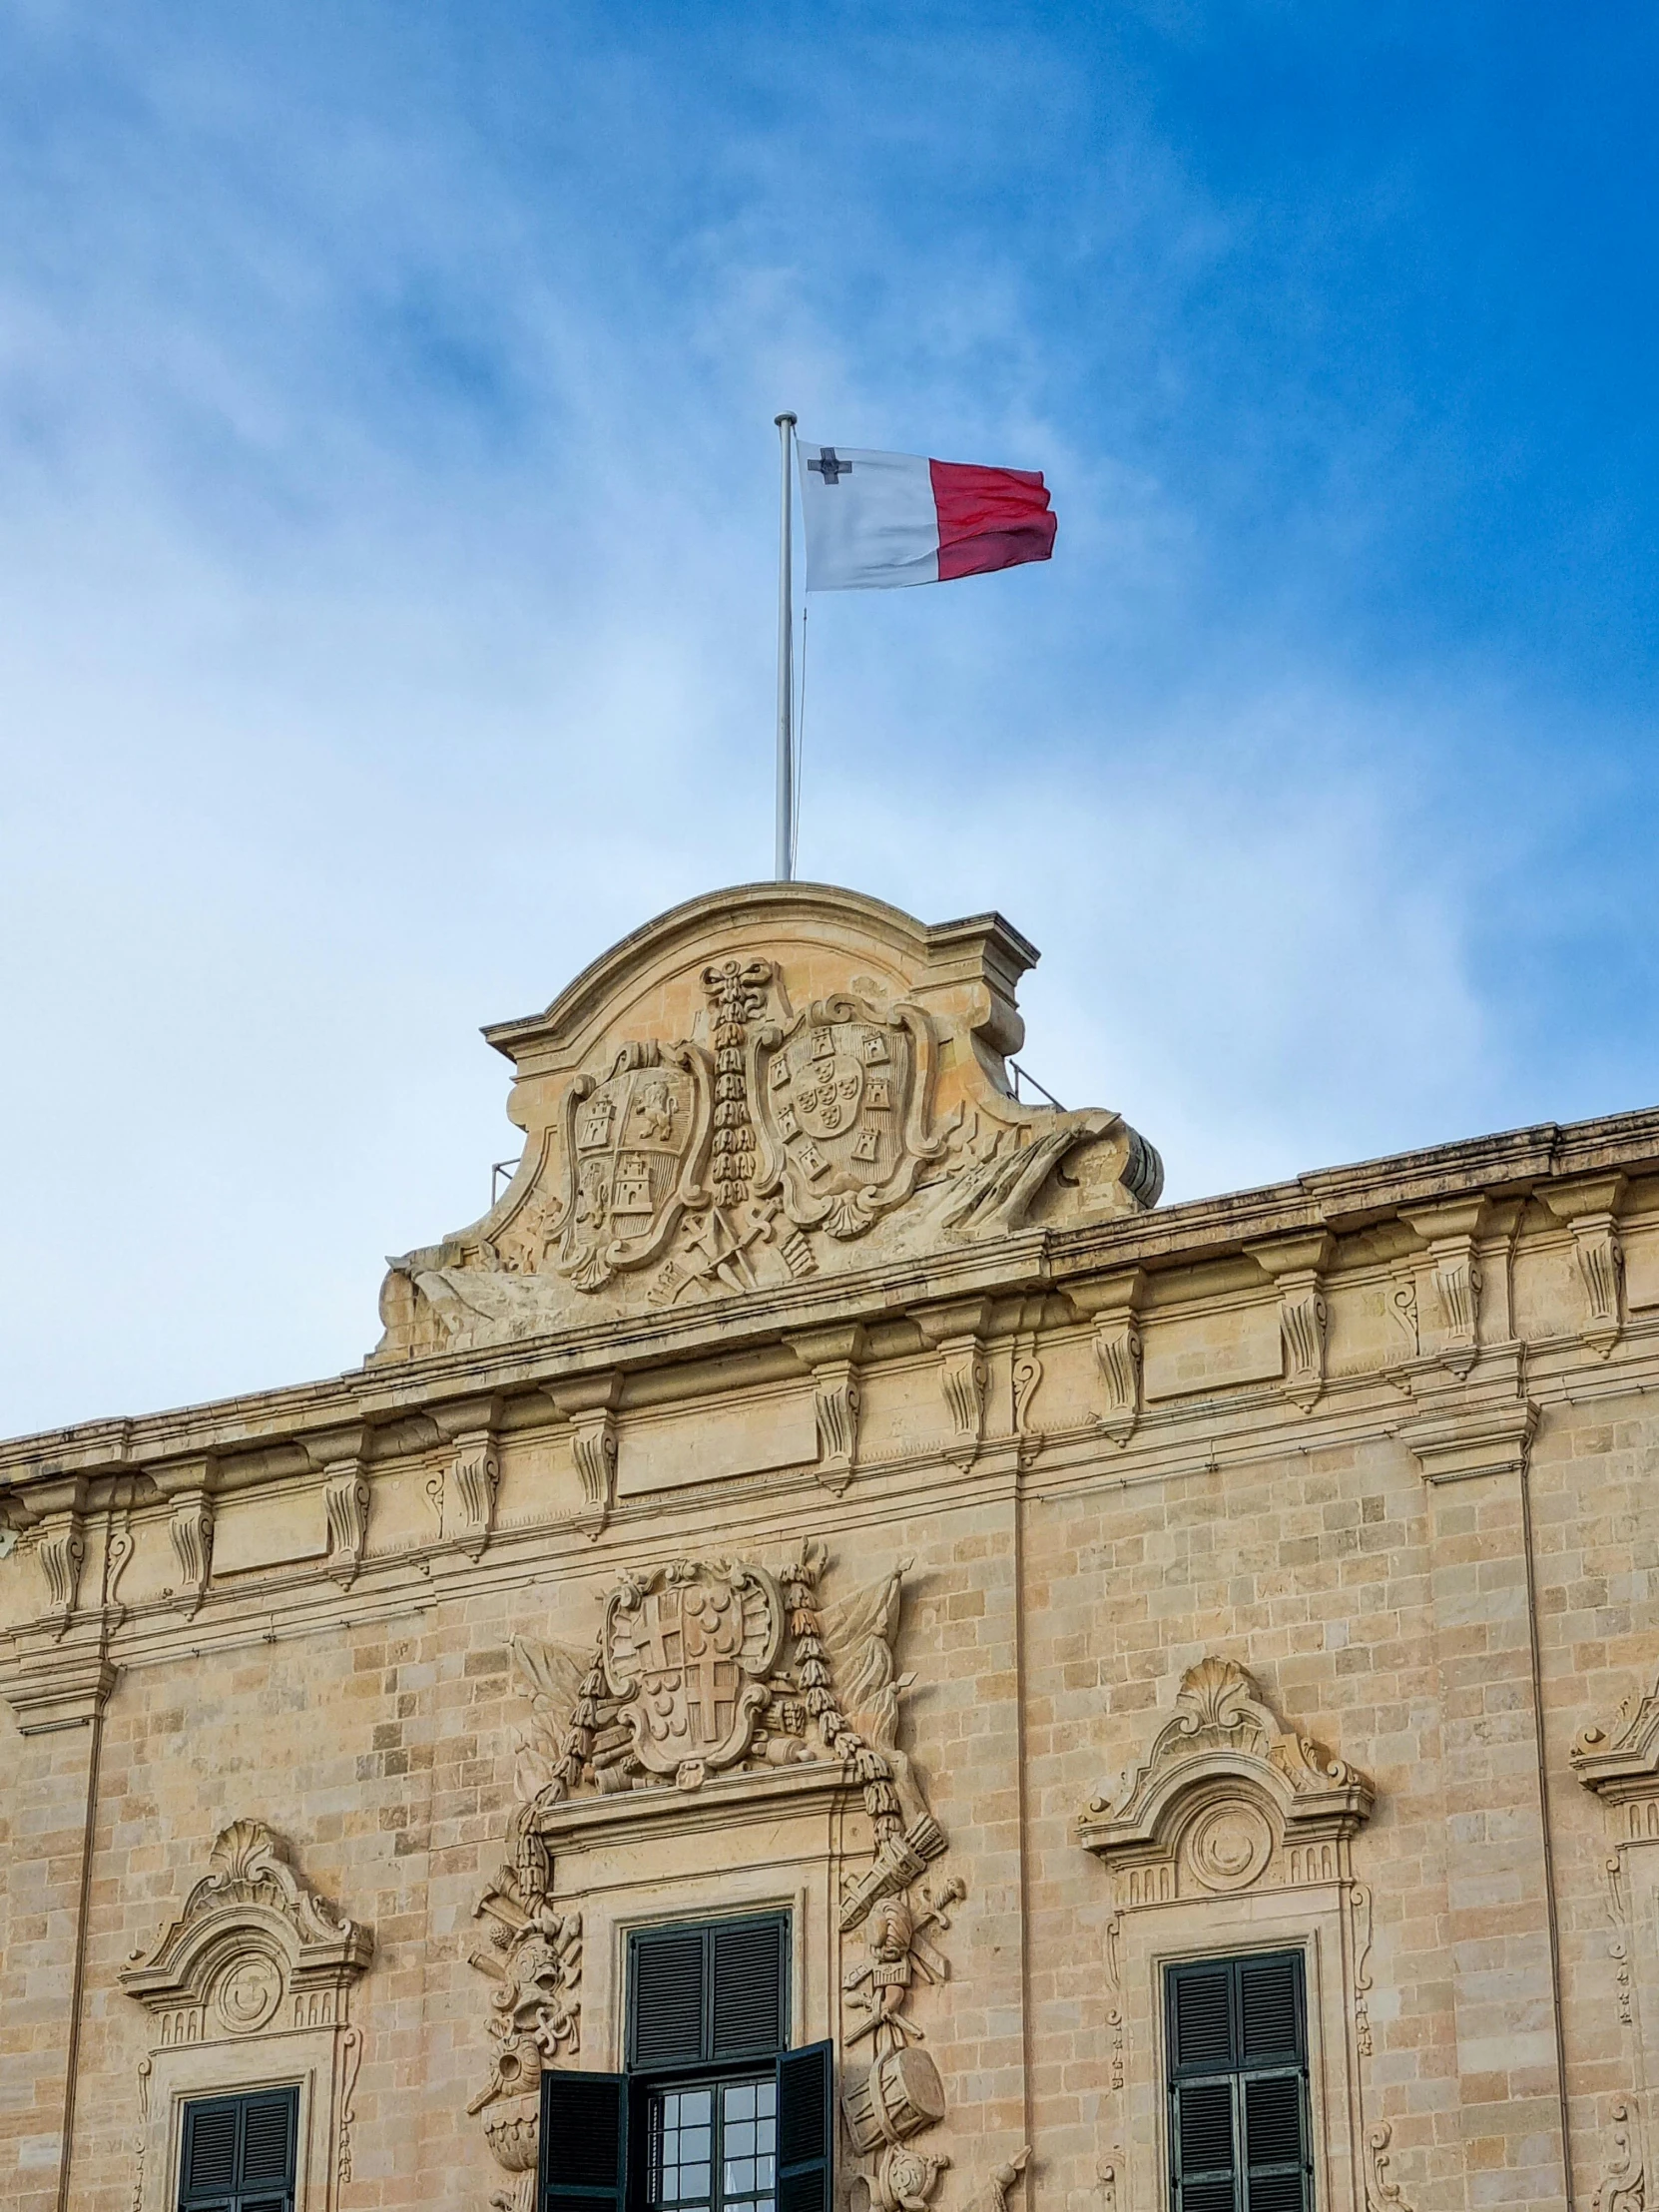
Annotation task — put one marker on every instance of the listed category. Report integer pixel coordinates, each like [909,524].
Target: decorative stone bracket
[189,1485]
[1112,1307]
[1590,1210]
[833,1357]
[1295,1265]
[590,1407]
[1450,1281]
[956,1333]
[473,1475]
[57,1536]
[340,1455]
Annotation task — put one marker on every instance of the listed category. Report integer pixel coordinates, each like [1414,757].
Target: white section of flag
[871,520]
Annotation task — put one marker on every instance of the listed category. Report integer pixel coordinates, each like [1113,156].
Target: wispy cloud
[386,534]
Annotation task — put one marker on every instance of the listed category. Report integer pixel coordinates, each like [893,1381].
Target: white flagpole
[785,668]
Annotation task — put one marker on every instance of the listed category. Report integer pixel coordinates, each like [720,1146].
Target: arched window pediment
[1226,1792]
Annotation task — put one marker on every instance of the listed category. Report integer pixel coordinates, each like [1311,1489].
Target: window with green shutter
[237,2153]
[714,2114]
[1238,2085]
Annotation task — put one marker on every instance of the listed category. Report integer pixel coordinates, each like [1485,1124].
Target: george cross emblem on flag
[828,466]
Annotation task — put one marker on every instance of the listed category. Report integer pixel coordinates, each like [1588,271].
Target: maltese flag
[874,521]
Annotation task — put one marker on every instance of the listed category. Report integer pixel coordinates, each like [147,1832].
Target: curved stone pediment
[763,1087]
[252,1936]
[1227,1783]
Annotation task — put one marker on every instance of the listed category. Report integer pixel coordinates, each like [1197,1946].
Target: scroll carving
[62,1551]
[345,1501]
[1381,2194]
[190,1528]
[1295,1265]
[832,1356]
[1590,1212]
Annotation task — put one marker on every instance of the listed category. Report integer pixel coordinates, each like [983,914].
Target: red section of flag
[989,518]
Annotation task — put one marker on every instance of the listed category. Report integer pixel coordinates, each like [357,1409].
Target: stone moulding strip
[1344,1198]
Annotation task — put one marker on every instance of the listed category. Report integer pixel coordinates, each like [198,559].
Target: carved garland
[802,1683]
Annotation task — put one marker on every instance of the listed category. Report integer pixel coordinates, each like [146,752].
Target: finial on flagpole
[785,668]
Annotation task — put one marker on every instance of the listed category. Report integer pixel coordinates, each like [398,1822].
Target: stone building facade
[827,1539]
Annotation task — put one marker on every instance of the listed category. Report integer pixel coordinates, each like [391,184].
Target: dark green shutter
[806,2128]
[238,2153]
[667,1998]
[584,2143]
[1238,2045]
[746,1972]
[707,1994]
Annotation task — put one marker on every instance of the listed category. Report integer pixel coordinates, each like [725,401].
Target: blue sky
[386,541]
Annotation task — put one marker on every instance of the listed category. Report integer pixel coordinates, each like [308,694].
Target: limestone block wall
[1277,1571]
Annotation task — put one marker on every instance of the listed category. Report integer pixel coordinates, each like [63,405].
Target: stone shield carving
[842,1095]
[688,1651]
[635,1143]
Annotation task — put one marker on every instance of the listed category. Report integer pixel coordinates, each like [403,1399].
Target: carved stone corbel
[1112,1307]
[1449,1320]
[473,1475]
[590,1405]
[189,1485]
[57,1536]
[1296,1266]
[832,1356]
[339,1452]
[956,1331]
[1590,1210]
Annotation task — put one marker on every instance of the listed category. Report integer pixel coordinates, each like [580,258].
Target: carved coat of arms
[842,1096]
[688,1651]
[635,1143]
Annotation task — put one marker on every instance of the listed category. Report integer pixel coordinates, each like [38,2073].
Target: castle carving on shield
[837,1655]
